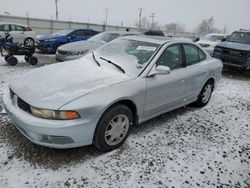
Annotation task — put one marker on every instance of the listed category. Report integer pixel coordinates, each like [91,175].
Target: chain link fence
[46,26]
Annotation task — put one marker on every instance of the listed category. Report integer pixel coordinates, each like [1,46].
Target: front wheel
[33,60]
[12,61]
[113,128]
[205,94]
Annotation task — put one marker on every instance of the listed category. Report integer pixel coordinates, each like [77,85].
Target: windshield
[241,37]
[131,55]
[214,37]
[63,32]
[104,37]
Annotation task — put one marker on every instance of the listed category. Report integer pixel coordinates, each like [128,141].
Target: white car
[20,33]
[208,42]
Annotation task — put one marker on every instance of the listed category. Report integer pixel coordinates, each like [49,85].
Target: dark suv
[235,50]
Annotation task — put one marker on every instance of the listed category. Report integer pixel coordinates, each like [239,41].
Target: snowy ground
[189,147]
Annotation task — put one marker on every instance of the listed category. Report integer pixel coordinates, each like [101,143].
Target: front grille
[23,105]
[235,53]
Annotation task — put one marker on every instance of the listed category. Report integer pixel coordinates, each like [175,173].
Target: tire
[109,135]
[12,61]
[205,94]
[27,58]
[33,60]
[29,42]
[6,58]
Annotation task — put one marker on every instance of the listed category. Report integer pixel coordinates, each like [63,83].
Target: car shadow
[237,74]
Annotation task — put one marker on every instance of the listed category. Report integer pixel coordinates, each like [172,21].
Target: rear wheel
[29,42]
[33,60]
[12,61]
[113,128]
[205,94]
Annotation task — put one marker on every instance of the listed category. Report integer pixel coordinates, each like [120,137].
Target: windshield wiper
[95,59]
[109,61]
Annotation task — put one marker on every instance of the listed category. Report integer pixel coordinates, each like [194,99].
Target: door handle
[182,81]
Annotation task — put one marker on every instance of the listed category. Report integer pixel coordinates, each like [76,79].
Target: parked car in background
[154,33]
[235,51]
[50,43]
[20,33]
[96,99]
[208,42]
[78,49]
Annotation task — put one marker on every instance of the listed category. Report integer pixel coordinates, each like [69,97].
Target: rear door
[196,71]
[18,33]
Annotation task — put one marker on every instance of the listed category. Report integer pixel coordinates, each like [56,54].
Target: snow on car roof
[155,39]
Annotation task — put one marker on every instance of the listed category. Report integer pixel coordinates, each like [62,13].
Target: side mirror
[159,70]
[224,39]
[196,39]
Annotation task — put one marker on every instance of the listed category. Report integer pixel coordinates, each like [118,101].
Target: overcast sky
[235,14]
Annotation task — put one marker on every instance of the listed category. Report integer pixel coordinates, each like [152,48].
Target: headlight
[78,53]
[54,114]
[218,49]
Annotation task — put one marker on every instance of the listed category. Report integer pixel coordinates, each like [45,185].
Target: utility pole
[106,20]
[152,16]
[56,1]
[28,19]
[140,18]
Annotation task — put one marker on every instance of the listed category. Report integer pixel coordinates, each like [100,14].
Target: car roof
[1,23]
[123,32]
[156,39]
[243,31]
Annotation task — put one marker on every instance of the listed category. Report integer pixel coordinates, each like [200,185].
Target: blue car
[50,43]
[234,52]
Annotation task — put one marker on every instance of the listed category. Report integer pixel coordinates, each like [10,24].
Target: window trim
[198,50]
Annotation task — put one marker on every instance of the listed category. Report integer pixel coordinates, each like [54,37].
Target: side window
[79,33]
[202,55]
[192,54]
[171,57]
[4,27]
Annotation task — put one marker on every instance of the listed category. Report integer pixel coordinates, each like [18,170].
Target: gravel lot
[189,147]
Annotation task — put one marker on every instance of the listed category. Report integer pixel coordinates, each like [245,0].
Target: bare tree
[207,26]
[147,24]
[174,27]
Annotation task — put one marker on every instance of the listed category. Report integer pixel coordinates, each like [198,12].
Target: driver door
[166,92]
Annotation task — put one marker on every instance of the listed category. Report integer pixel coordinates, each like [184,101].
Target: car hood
[52,86]
[80,46]
[47,37]
[234,45]
[203,41]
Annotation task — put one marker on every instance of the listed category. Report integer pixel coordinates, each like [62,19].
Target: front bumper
[50,133]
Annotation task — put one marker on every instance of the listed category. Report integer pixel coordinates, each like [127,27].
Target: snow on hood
[80,46]
[53,86]
[235,45]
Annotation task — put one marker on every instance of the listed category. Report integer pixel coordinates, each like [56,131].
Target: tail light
[28,28]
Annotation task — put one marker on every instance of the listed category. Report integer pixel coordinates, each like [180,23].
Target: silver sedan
[96,99]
